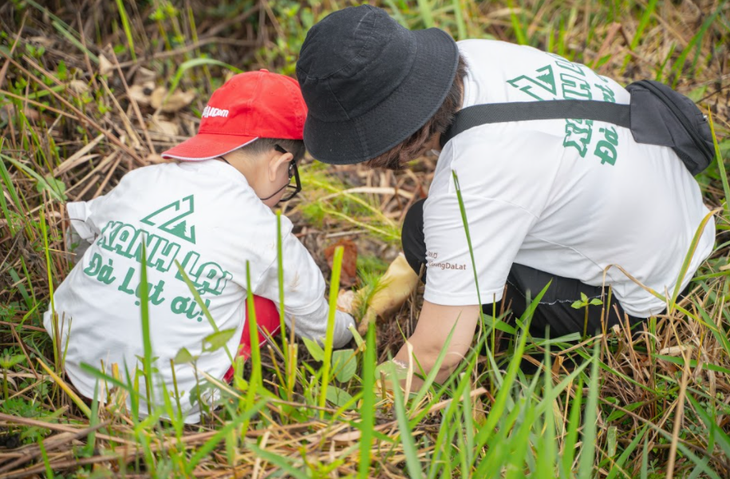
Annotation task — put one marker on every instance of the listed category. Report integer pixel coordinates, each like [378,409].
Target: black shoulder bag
[656,115]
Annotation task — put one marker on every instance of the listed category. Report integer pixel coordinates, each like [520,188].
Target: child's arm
[304,303]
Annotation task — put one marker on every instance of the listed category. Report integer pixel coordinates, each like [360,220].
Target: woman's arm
[429,338]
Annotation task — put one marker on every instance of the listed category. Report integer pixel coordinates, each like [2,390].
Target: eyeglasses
[292,189]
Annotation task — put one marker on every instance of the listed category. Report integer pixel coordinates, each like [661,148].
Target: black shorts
[555,309]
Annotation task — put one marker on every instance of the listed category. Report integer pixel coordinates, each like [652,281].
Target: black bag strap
[476,115]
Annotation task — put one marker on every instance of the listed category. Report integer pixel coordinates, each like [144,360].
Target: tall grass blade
[431,377]
[424,8]
[93,421]
[280,461]
[505,390]
[688,258]
[67,389]
[720,165]
[644,471]
[721,438]
[280,276]
[367,416]
[468,410]
[219,436]
[409,447]
[617,467]
[255,382]
[547,448]
[59,26]
[8,185]
[127,29]
[643,22]
[571,439]
[50,187]
[494,371]
[201,304]
[195,62]
[46,462]
[520,34]
[459,17]
[585,463]
[695,41]
[450,426]
[256,374]
[329,338]
[146,335]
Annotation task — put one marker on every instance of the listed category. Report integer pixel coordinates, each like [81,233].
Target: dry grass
[77,112]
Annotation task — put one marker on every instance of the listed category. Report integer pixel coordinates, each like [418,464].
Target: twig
[77,158]
[135,106]
[108,177]
[74,397]
[679,412]
[68,464]
[188,48]
[650,424]
[80,116]
[25,326]
[50,444]
[4,69]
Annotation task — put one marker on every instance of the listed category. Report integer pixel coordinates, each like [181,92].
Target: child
[210,213]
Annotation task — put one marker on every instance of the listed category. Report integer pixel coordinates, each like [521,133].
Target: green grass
[630,408]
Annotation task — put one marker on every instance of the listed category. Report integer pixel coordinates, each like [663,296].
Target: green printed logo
[126,241]
[573,82]
[542,87]
[608,94]
[208,277]
[172,218]
[575,88]
[566,65]
[578,135]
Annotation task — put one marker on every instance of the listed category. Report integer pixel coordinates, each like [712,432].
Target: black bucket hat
[370,83]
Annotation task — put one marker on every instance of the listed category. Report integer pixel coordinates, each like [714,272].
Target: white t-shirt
[568,197]
[205,216]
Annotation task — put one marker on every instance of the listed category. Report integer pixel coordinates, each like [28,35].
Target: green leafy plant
[7,361]
[585,302]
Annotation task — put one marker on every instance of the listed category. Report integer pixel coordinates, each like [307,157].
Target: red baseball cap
[249,106]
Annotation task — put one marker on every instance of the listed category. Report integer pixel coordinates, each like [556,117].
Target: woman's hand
[392,290]
[429,339]
[345,301]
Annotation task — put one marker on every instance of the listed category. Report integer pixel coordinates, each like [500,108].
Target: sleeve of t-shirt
[86,216]
[83,218]
[497,230]
[305,307]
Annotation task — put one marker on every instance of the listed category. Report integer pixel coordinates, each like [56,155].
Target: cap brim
[206,146]
[406,110]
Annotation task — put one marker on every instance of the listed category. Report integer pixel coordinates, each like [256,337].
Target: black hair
[264,145]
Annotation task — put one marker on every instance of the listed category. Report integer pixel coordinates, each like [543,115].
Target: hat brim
[396,118]
[206,146]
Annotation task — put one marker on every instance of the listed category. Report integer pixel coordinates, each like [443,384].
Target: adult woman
[558,200]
